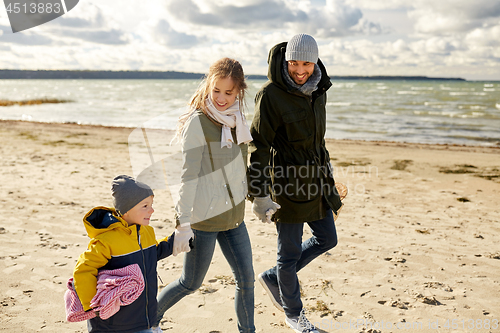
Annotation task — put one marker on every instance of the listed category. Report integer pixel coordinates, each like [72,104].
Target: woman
[214,137]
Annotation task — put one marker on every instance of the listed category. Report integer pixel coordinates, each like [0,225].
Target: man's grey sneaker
[300,324]
[271,290]
[157,329]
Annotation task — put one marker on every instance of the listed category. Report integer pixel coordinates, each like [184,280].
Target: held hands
[181,239]
[264,208]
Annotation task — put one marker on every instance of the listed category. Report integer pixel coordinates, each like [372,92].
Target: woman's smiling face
[223,94]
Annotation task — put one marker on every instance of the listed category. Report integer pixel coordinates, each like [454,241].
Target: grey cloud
[460,16]
[336,19]
[29,38]
[489,9]
[371,28]
[441,47]
[91,27]
[91,30]
[272,13]
[109,37]
[168,36]
[333,19]
[77,22]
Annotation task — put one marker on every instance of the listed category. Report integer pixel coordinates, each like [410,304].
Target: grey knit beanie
[302,47]
[127,192]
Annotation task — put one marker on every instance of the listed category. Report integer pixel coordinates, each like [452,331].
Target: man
[290,173]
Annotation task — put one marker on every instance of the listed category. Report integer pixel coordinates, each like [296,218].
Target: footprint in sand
[13,268]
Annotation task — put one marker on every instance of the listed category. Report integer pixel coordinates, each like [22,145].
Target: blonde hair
[221,69]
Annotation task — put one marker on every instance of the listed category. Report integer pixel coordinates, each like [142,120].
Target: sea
[426,111]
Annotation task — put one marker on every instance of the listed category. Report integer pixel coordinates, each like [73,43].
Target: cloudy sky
[437,38]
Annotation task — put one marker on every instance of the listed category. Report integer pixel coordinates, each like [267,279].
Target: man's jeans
[235,245]
[293,255]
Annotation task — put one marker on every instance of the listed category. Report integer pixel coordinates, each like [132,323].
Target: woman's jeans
[235,245]
[293,255]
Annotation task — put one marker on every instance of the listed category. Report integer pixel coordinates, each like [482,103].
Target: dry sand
[418,237]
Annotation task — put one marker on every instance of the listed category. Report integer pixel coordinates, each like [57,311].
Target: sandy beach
[418,237]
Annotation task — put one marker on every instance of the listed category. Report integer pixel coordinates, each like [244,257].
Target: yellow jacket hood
[102,219]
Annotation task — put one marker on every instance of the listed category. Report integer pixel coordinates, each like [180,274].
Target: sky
[435,38]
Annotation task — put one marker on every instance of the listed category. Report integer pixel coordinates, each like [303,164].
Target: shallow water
[453,112]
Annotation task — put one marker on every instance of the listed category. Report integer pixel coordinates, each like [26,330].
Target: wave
[427,112]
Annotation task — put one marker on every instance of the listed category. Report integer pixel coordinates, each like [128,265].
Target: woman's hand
[264,208]
[182,236]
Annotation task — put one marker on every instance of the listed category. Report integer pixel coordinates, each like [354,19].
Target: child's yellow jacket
[115,244]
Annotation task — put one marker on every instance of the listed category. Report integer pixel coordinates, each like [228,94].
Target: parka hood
[102,219]
[276,59]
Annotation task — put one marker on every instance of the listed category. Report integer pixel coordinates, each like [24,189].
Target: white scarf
[230,118]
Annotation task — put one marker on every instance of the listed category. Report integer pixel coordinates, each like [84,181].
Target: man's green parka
[289,159]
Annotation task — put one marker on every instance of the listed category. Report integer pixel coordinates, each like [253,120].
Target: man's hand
[264,208]
[342,192]
[181,239]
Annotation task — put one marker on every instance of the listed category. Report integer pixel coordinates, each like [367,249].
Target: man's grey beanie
[127,192]
[302,47]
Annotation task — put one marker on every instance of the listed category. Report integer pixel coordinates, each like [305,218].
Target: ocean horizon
[427,111]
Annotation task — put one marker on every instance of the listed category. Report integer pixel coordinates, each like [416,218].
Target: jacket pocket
[296,125]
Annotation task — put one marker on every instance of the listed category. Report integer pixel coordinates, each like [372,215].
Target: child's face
[223,94]
[140,213]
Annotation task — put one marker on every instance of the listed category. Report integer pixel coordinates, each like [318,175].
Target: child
[121,237]
[214,137]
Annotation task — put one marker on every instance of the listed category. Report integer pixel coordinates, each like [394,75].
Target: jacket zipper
[229,192]
[312,102]
[226,185]
[145,274]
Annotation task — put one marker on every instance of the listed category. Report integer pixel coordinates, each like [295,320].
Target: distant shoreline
[169,75]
